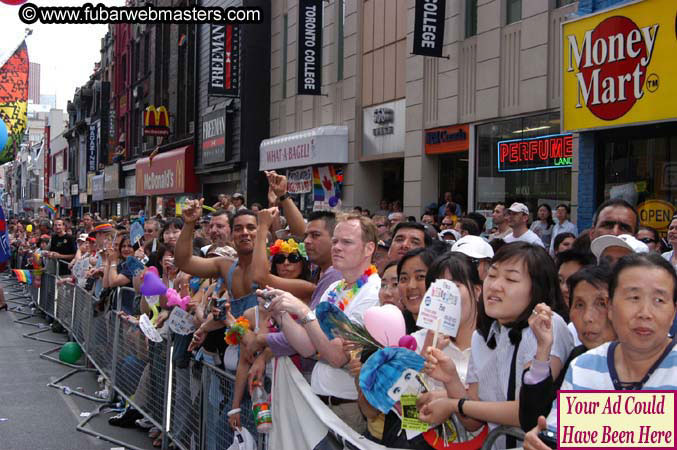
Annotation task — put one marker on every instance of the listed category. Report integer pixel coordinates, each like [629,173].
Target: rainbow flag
[24,276]
[49,207]
[13,101]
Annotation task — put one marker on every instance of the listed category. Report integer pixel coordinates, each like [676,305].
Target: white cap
[624,240]
[474,247]
[83,237]
[519,208]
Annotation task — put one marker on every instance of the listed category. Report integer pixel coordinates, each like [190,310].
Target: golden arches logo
[156,117]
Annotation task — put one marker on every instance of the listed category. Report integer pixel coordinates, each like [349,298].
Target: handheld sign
[135,232]
[181,322]
[148,329]
[442,301]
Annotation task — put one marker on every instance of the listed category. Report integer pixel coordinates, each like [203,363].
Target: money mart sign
[618,67]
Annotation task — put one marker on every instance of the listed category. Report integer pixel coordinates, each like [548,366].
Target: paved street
[38,416]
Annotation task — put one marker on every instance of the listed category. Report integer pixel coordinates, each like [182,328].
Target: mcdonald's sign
[156,121]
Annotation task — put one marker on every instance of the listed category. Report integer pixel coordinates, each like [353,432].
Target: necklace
[349,294]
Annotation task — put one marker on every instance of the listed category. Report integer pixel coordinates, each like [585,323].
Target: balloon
[70,353]
[152,284]
[409,342]
[154,270]
[3,134]
[333,201]
[385,324]
[155,314]
[29,228]
[173,298]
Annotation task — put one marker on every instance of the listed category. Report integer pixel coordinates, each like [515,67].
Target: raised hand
[438,365]
[540,322]
[277,183]
[192,211]
[267,216]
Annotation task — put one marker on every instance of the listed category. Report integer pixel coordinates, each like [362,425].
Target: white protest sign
[148,329]
[79,271]
[180,322]
[136,232]
[152,299]
[441,308]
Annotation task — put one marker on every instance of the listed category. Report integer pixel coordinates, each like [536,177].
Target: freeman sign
[545,152]
[618,66]
[214,137]
[224,60]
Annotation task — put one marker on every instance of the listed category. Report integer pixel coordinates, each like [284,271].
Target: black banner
[92,137]
[429,27]
[214,136]
[224,60]
[309,66]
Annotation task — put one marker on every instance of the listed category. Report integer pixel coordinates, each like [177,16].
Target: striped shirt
[590,371]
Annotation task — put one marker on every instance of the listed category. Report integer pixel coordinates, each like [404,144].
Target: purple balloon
[407,341]
[333,201]
[152,285]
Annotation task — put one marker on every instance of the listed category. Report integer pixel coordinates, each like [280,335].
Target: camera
[548,437]
[267,297]
[220,303]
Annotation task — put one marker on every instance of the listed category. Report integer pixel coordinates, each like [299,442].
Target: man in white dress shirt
[518,216]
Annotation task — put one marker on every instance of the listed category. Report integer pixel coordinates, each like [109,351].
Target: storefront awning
[171,172]
[322,145]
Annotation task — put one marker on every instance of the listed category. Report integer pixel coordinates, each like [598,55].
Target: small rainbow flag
[24,276]
[50,207]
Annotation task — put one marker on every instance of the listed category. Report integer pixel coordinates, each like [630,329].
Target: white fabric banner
[295,405]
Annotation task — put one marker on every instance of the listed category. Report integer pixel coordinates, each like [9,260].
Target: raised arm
[278,183]
[261,268]
[183,255]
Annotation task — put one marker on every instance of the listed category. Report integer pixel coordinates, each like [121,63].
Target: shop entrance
[454,178]
[393,180]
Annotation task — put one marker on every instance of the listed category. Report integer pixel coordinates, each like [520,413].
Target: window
[285,43]
[531,187]
[514,11]
[561,3]
[470,18]
[146,52]
[339,42]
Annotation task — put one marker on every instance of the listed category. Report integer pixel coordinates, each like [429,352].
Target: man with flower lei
[353,245]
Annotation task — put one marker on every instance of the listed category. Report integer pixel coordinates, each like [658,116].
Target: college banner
[294,403]
[429,27]
[309,66]
[224,60]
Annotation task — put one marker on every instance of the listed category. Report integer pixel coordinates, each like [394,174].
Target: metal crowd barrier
[189,404]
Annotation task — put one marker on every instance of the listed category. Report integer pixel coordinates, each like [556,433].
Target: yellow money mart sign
[619,68]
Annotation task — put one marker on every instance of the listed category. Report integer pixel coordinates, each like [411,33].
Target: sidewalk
[42,417]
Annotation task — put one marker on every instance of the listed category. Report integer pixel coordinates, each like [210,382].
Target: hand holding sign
[180,322]
[148,329]
[441,306]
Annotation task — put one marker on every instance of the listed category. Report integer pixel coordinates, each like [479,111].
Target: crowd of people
[544,307]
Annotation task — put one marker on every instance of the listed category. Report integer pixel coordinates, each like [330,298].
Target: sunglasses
[292,258]
[648,240]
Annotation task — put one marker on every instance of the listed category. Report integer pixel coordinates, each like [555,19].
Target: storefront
[313,161]
[450,146]
[111,191]
[524,159]
[383,145]
[618,89]
[97,194]
[168,177]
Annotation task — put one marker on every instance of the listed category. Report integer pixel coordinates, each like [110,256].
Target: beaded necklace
[344,301]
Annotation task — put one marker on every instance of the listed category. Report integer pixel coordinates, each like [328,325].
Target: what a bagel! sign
[618,67]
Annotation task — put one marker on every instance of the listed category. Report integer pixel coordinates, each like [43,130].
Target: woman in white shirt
[521,276]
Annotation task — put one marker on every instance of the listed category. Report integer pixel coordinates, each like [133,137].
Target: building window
[339,42]
[531,187]
[470,18]
[561,3]
[285,43]
[514,11]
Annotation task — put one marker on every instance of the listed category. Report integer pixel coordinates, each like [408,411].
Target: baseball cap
[456,235]
[104,227]
[519,208]
[83,237]
[45,237]
[212,250]
[624,240]
[238,195]
[473,246]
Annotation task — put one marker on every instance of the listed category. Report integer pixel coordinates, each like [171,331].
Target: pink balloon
[409,342]
[385,324]
[154,270]
[152,284]
[173,298]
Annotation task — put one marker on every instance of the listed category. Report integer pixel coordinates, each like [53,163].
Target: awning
[322,145]
[170,172]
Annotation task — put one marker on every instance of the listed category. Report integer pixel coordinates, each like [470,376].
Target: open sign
[656,214]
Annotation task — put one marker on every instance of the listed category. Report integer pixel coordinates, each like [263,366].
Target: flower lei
[348,296]
[235,333]
[289,246]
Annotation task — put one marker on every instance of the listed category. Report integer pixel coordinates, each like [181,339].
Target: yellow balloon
[156,313]
[29,228]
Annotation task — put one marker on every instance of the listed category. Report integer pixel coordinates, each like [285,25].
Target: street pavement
[41,417]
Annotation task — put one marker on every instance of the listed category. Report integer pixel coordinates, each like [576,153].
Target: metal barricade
[64,309]
[82,315]
[48,294]
[186,408]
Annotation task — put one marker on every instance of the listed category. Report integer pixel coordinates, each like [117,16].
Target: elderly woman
[643,293]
